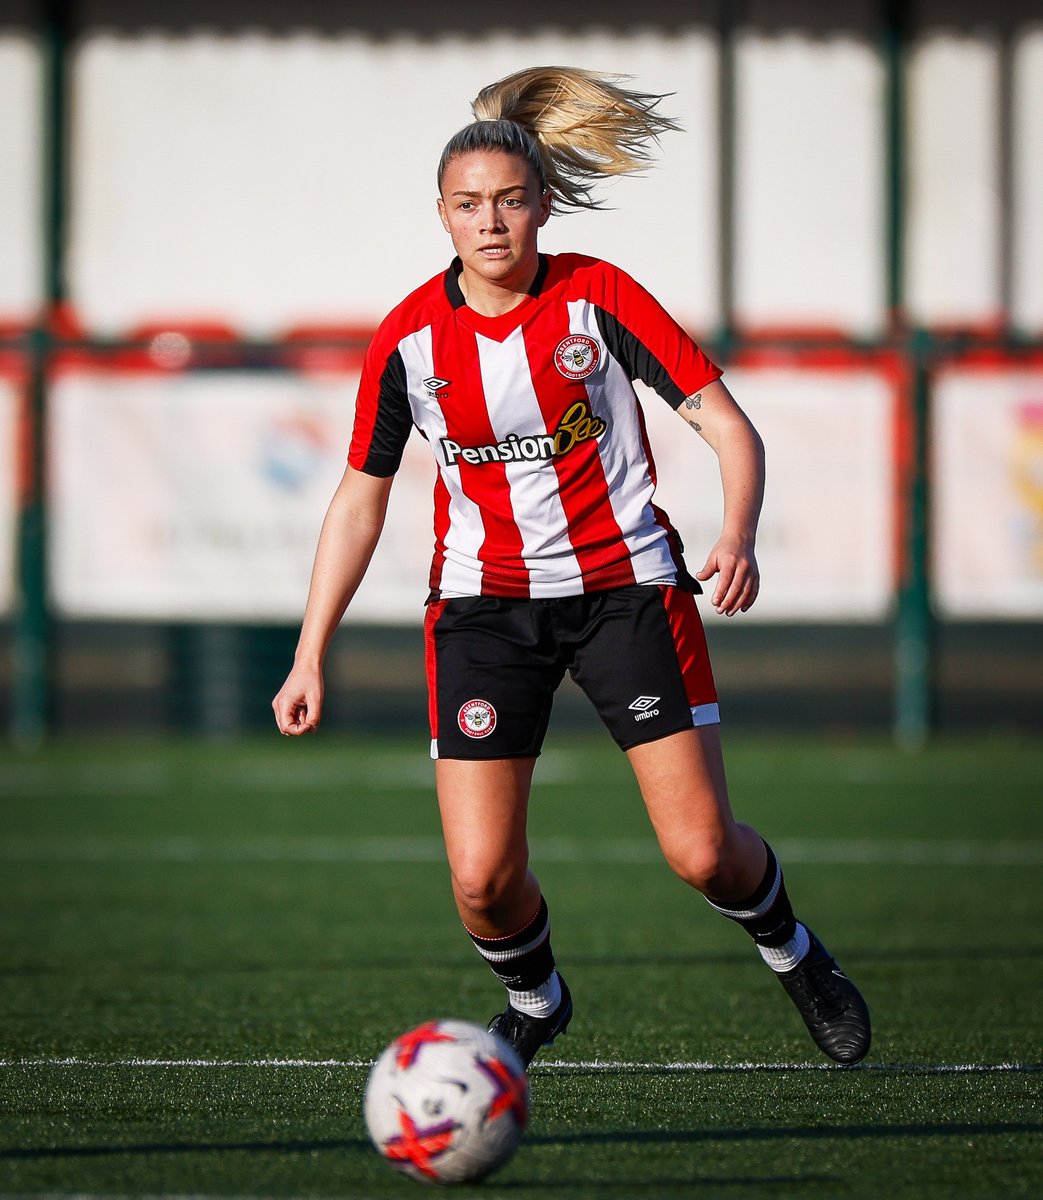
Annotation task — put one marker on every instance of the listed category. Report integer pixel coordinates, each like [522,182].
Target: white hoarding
[246,177]
[1027,180]
[21,243]
[953,187]
[987,515]
[808,194]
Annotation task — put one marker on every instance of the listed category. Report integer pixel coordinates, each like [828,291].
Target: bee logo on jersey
[477,718]
[577,356]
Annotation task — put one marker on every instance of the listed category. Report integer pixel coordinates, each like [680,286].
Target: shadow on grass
[287,1147]
[636,1137]
[740,957]
[784,1133]
[450,965]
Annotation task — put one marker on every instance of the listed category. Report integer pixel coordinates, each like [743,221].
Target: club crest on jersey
[477,718]
[577,356]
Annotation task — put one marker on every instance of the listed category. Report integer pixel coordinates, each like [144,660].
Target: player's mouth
[494,251]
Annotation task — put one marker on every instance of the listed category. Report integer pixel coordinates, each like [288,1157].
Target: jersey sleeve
[383,419]
[642,336]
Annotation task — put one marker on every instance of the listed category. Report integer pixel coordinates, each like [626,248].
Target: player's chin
[496,269]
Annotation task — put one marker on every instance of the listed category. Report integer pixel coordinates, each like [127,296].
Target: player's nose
[492,218]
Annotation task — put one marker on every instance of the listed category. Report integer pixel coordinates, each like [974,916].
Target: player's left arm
[713,413]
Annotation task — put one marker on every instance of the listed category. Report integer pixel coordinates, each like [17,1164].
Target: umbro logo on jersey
[437,386]
[643,707]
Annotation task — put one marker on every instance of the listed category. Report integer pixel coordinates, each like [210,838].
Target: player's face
[492,208]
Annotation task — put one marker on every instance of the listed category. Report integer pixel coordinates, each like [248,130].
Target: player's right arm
[349,536]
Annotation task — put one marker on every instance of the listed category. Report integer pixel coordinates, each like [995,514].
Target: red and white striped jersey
[545,477]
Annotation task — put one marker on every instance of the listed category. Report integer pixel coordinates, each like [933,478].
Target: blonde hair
[574,128]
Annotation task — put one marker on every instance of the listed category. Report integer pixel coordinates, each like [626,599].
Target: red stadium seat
[325,346]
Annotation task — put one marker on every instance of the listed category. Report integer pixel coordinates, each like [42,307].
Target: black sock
[524,960]
[766,915]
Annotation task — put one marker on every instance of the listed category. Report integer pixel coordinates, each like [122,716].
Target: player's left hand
[734,563]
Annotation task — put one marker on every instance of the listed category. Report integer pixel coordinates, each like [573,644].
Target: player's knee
[708,867]
[487,888]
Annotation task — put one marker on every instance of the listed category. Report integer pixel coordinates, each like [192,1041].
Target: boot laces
[820,987]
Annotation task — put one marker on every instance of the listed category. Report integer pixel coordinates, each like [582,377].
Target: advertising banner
[200,497]
[825,544]
[987,516]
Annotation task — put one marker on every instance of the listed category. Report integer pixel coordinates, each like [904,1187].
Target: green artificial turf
[205,944]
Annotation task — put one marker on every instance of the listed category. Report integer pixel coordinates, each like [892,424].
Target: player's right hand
[298,705]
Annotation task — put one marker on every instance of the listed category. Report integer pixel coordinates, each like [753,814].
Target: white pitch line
[694,1067]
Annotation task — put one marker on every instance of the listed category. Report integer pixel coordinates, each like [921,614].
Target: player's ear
[441,214]
[546,200]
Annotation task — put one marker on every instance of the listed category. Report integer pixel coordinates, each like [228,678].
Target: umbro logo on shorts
[643,707]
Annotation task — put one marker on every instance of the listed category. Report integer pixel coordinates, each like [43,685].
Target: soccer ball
[447,1102]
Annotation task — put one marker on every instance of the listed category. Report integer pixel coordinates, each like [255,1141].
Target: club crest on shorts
[577,356]
[477,718]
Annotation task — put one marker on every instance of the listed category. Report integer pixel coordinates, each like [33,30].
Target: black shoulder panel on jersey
[627,349]
[394,420]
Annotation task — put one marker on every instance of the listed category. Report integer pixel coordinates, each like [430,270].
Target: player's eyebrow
[514,187]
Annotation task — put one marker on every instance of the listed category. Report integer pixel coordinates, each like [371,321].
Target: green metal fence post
[32,642]
[30,710]
[894,39]
[915,684]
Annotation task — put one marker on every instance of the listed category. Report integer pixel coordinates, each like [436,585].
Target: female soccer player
[550,555]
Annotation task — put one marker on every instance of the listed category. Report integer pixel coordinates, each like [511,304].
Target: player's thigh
[484,807]
[682,781]
[683,784]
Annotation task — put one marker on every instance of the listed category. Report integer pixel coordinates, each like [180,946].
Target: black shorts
[493,665]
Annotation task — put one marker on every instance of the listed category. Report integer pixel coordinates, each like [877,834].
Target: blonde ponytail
[584,127]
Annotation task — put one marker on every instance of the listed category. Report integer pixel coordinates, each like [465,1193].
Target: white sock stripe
[748,914]
[502,956]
